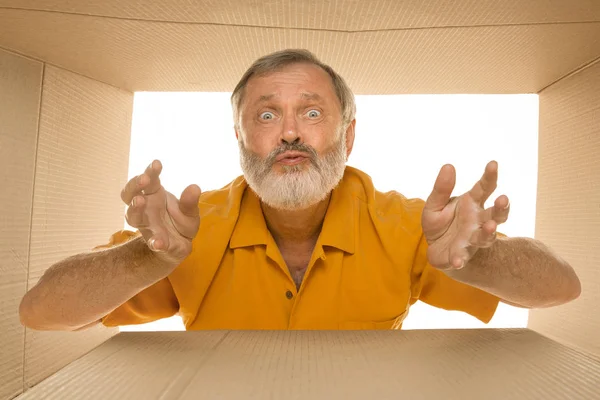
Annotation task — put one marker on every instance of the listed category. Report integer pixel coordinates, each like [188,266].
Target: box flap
[382,47]
[568,215]
[20,89]
[82,164]
[454,364]
[344,15]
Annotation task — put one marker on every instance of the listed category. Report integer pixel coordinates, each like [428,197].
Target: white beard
[298,186]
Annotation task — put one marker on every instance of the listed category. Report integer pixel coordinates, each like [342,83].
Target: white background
[401,142]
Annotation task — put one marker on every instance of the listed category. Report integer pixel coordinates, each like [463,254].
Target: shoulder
[387,208]
[224,202]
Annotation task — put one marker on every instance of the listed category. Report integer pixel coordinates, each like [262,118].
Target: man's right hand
[167,224]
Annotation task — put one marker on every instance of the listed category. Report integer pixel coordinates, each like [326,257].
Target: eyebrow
[306,95]
[264,98]
[310,96]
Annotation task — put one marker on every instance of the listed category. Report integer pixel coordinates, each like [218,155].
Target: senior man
[300,241]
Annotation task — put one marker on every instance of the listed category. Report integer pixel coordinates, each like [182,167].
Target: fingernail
[151,244]
[133,202]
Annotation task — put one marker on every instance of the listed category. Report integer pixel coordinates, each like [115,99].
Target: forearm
[521,271]
[82,289]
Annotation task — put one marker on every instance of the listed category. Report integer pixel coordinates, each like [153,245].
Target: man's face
[293,145]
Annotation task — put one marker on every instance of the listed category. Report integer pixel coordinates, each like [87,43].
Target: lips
[292,156]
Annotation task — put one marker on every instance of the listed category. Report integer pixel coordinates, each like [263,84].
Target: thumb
[442,189]
[188,202]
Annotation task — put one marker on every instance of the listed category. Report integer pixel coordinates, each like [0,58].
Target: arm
[521,272]
[462,242]
[77,292]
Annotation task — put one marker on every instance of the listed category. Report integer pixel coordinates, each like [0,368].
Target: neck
[298,226]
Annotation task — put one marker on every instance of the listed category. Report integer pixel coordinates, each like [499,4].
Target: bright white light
[401,142]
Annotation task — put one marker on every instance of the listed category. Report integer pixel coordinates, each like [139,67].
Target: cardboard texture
[72,129]
[462,52]
[568,215]
[66,128]
[20,89]
[82,162]
[343,15]
[428,364]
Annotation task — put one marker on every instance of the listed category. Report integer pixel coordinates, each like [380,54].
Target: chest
[297,265]
[297,259]
[252,289]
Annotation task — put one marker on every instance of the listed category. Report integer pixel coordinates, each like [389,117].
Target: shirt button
[289,294]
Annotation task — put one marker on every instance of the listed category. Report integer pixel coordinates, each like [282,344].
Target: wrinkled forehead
[297,81]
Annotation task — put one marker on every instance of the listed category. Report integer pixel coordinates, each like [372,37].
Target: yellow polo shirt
[368,267]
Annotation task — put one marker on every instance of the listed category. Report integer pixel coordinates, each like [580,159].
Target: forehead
[301,80]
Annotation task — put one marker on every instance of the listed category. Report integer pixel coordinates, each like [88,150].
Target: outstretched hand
[167,224]
[455,228]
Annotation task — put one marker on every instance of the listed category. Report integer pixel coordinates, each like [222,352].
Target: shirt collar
[251,228]
[339,228]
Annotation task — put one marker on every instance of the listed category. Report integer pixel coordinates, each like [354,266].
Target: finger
[501,209]
[188,202]
[458,257]
[146,183]
[442,189]
[153,172]
[498,212]
[487,184]
[135,215]
[133,188]
[485,236]
[158,242]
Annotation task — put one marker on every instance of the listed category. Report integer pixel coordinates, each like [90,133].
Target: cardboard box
[68,71]
[448,364]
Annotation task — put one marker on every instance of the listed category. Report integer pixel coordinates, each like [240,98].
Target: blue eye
[313,114]
[267,115]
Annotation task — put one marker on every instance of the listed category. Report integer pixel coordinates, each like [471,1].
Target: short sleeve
[151,304]
[156,302]
[118,238]
[437,289]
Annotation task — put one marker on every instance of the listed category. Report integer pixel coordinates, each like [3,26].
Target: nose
[289,130]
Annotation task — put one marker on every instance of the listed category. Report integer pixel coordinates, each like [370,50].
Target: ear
[350,137]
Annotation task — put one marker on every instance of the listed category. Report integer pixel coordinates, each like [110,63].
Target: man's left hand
[455,228]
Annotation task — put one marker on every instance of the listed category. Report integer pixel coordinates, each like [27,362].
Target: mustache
[300,147]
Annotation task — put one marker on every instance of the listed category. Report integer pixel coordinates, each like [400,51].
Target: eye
[267,115]
[313,114]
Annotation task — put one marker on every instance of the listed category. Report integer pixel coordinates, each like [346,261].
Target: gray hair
[275,61]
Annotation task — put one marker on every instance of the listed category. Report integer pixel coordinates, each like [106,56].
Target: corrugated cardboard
[82,162]
[20,89]
[95,54]
[568,204]
[463,51]
[429,364]
[342,15]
